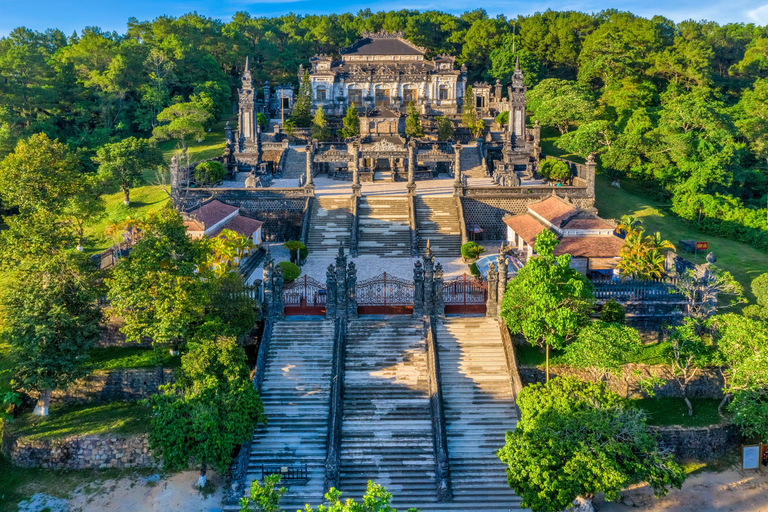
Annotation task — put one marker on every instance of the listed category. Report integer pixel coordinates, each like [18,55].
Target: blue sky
[69,15]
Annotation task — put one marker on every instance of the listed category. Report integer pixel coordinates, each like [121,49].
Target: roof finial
[517,63]
[247,65]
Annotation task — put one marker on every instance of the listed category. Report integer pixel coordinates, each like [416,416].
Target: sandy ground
[727,491]
[170,494]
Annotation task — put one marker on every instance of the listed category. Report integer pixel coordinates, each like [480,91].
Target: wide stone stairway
[330,223]
[471,164]
[479,408]
[387,430]
[437,219]
[383,227]
[295,392]
[295,163]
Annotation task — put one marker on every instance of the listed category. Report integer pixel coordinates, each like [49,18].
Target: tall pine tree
[413,126]
[320,129]
[301,115]
[351,123]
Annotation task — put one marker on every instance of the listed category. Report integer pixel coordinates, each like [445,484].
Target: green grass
[651,354]
[741,260]
[211,146]
[117,358]
[112,418]
[6,367]
[673,411]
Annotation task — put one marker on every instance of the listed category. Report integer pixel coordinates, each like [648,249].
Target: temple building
[384,70]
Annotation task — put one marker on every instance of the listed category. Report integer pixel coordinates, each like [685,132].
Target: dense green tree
[687,353]
[594,137]
[603,348]
[469,117]
[156,288]
[444,128]
[413,126]
[548,301]
[577,439]
[555,170]
[50,320]
[505,58]
[759,288]
[351,123]
[182,121]
[752,117]
[122,163]
[560,104]
[320,130]
[301,114]
[210,410]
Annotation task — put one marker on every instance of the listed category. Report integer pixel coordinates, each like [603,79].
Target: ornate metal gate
[304,296]
[465,294]
[384,295]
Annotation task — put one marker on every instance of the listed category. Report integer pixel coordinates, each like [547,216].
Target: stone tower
[247,111]
[517,107]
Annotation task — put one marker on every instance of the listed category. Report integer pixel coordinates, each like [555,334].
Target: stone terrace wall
[115,385]
[701,443]
[86,452]
[707,384]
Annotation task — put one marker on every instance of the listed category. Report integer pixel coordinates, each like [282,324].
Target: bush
[474,270]
[502,118]
[613,312]
[555,170]
[471,250]
[290,271]
[296,247]
[210,172]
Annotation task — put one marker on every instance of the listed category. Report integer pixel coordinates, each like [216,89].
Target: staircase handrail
[336,406]
[512,365]
[439,436]
[353,230]
[462,222]
[306,219]
[414,227]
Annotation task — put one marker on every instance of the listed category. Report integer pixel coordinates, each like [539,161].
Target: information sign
[751,457]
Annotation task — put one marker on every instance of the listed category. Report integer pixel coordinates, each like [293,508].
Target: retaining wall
[115,385]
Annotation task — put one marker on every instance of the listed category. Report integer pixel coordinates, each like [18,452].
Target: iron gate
[384,294]
[465,294]
[304,296]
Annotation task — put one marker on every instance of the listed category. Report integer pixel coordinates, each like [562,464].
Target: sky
[69,15]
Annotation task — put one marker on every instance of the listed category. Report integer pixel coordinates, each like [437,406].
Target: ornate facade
[386,71]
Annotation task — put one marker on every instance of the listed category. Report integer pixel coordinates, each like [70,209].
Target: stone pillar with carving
[330,292]
[266,100]
[492,303]
[175,181]
[310,150]
[341,282]
[278,304]
[502,287]
[457,182]
[258,138]
[537,140]
[418,289]
[438,292]
[429,277]
[351,290]
[411,186]
[590,177]
[353,149]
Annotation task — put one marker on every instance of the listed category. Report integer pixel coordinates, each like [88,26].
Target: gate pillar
[351,288]
[418,289]
[491,305]
[438,291]
[330,297]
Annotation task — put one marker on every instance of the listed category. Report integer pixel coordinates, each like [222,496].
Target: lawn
[63,421]
[119,358]
[528,355]
[150,196]
[673,411]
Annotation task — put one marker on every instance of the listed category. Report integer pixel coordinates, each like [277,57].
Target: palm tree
[642,257]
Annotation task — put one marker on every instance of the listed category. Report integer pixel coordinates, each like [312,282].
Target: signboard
[750,458]
[702,246]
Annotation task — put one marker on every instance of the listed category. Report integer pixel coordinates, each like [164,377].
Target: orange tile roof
[526,226]
[245,226]
[553,209]
[587,223]
[590,246]
[210,213]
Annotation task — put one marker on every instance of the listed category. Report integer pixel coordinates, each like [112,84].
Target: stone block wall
[80,452]
[116,385]
[700,443]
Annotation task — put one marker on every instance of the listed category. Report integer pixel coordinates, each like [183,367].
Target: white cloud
[760,15]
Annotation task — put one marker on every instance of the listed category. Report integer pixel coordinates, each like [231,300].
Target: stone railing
[511,357]
[96,451]
[462,221]
[658,290]
[442,464]
[526,191]
[413,225]
[336,408]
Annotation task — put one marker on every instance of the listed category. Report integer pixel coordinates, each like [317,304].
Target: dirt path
[727,491]
[170,494]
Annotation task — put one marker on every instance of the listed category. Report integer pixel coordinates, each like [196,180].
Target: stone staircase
[330,223]
[295,392]
[471,164]
[383,227]
[479,408]
[295,163]
[387,429]
[437,219]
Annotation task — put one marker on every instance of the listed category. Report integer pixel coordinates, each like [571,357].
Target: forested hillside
[682,106]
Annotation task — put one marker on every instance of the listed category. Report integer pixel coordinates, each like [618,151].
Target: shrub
[555,170]
[471,250]
[210,172]
[296,247]
[290,271]
[502,118]
[474,270]
[613,312]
